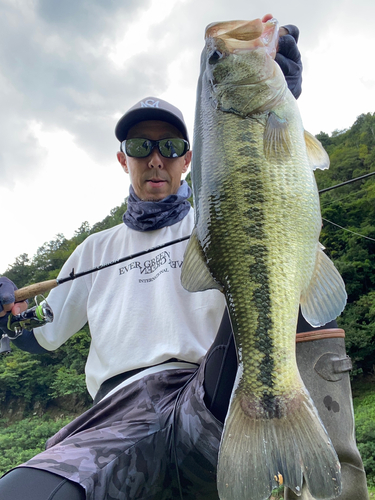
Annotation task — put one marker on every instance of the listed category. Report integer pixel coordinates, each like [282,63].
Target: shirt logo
[150,103]
[149,266]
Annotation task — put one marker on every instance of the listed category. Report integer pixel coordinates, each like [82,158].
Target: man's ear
[188,156]
[122,159]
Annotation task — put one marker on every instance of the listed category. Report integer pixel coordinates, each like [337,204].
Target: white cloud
[334,91]
[137,37]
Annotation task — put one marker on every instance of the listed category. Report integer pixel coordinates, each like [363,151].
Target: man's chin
[157,195]
[154,197]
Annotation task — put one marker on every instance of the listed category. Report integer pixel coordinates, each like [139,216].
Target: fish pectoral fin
[256,452]
[317,155]
[195,275]
[277,140]
[325,297]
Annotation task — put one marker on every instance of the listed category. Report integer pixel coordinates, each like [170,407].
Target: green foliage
[364,409]
[22,440]
[68,381]
[26,377]
[277,493]
[38,379]
[359,322]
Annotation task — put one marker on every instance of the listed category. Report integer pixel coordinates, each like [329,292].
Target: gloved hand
[7,299]
[7,305]
[288,58]
[27,341]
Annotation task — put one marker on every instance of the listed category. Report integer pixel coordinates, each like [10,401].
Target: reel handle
[32,290]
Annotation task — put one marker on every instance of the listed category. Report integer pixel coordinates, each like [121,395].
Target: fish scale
[257,224]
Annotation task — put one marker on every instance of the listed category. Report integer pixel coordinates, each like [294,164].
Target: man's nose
[155,160]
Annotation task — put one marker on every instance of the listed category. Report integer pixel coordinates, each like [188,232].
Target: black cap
[150,108]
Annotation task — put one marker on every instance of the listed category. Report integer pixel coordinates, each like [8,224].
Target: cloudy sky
[69,69]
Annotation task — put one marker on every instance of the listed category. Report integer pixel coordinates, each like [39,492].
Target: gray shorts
[149,440]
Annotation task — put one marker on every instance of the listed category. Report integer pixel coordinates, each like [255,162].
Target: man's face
[154,177]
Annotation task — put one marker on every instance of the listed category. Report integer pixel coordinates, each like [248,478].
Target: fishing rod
[346,182]
[45,286]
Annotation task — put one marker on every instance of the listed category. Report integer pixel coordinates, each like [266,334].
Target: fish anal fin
[325,297]
[317,155]
[195,275]
[277,139]
[256,452]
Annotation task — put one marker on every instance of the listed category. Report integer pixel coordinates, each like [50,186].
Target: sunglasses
[168,148]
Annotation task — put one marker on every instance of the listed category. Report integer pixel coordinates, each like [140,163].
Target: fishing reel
[32,318]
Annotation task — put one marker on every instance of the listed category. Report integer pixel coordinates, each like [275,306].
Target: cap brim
[139,115]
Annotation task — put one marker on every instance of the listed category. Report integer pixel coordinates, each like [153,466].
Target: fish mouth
[239,36]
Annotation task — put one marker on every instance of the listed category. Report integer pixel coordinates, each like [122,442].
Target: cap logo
[150,103]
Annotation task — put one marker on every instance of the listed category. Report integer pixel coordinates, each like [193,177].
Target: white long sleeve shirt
[138,313]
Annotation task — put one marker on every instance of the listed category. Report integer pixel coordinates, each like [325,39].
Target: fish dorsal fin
[325,297]
[195,275]
[318,157]
[277,140]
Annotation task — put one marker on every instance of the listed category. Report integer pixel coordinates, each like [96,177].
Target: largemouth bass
[256,238]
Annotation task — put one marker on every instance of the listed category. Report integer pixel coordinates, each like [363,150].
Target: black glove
[27,340]
[288,58]
[7,289]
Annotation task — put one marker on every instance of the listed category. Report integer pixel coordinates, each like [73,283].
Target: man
[161,369]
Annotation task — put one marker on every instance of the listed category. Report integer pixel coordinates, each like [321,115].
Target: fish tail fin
[256,452]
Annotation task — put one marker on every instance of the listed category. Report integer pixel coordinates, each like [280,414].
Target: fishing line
[348,200]
[331,201]
[365,190]
[349,231]
[349,194]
